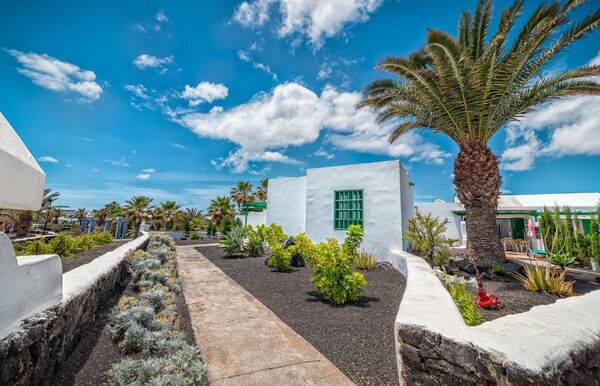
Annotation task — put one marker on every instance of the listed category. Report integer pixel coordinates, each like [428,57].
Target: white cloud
[95,170]
[178,146]
[161,17]
[316,20]
[143,176]
[292,115]
[149,170]
[324,154]
[246,57]
[69,165]
[120,162]
[56,75]
[138,90]
[144,61]
[48,159]
[567,126]
[204,92]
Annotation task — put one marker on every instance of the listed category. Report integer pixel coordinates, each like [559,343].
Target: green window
[347,208]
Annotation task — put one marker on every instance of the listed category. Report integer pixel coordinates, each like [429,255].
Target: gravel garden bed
[163,337]
[358,338]
[195,242]
[85,257]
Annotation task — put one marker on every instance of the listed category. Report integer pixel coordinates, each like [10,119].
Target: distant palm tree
[169,213]
[470,87]
[188,216]
[113,209]
[242,193]
[47,200]
[261,190]
[55,214]
[137,209]
[220,208]
[79,214]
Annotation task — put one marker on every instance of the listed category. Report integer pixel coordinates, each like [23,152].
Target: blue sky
[179,100]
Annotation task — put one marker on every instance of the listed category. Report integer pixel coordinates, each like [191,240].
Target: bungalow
[517,217]
[378,196]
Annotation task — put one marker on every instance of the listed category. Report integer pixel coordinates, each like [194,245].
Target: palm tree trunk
[477,181]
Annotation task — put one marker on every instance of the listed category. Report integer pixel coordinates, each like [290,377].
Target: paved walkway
[241,341]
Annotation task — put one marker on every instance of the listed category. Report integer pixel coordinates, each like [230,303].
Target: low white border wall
[539,342]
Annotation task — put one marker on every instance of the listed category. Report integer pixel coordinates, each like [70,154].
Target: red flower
[484,299]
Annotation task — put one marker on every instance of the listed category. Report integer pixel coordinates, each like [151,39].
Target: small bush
[281,258]
[333,276]
[465,303]
[427,235]
[254,245]
[545,279]
[305,247]
[233,242]
[227,225]
[272,234]
[353,240]
[365,261]
[122,319]
[63,245]
[38,247]
[564,260]
[84,243]
[153,298]
[184,368]
[195,236]
[102,238]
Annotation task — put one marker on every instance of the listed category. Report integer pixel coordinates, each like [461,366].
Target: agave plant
[471,86]
[233,242]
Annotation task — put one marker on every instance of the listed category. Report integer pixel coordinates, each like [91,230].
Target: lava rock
[298,260]
[509,268]
[467,266]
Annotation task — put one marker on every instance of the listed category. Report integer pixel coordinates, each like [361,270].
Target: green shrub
[545,279]
[195,236]
[272,234]
[63,245]
[233,242]
[427,235]
[227,224]
[183,367]
[353,240]
[563,260]
[465,303]
[281,258]
[305,247]
[102,238]
[365,261]
[333,275]
[153,298]
[254,245]
[84,243]
[38,247]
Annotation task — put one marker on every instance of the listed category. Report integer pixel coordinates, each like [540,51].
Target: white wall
[254,218]
[444,211]
[286,204]
[407,202]
[28,284]
[380,182]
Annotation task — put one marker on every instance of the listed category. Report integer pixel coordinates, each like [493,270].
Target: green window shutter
[347,208]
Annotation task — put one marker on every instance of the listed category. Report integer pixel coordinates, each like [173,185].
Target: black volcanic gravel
[85,257]
[358,338]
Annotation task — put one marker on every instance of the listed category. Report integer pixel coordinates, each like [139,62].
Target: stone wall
[33,352]
[555,344]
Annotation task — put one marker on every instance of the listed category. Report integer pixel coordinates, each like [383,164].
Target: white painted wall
[535,340]
[28,284]
[21,178]
[254,218]
[381,185]
[286,204]
[407,202]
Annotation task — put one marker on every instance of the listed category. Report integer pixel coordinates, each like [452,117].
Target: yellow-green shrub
[546,279]
[333,275]
[281,258]
[38,247]
[465,303]
[63,245]
[84,243]
[102,238]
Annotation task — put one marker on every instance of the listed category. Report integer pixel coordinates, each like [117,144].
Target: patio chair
[521,245]
[508,244]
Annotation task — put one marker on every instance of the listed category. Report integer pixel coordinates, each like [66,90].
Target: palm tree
[137,209]
[169,213]
[47,200]
[261,190]
[188,216]
[242,193]
[55,214]
[113,209]
[219,208]
[470,87]
[79,214]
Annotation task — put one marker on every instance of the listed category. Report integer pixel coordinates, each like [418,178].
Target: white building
[518,215]
[323,203]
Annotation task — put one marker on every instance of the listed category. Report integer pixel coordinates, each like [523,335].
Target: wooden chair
[521,245]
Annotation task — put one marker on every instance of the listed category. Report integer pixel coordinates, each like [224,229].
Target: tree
[47,201]
[79,214]
[169,215]
[219,208]
[189,217]
[427,237]
[55,214]
[137,209]
[470,87]
[261,190]
[113,209]
[242,193]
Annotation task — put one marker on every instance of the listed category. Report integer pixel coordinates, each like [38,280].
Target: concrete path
[241,341]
